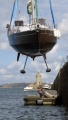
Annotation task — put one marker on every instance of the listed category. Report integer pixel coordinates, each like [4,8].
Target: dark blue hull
[32,43]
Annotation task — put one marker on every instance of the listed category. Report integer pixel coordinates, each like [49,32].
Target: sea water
[12,107]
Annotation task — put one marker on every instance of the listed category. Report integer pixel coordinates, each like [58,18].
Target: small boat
[35,38]
[28,88]
[46,86]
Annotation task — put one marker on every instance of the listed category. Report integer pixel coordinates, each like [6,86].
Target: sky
[9,67]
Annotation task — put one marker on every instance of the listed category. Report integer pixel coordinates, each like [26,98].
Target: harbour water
[12,107]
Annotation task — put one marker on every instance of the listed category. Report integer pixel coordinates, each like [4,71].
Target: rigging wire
[23,3]
[39,12]
[21,6]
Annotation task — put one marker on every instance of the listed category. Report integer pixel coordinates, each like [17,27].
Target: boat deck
[37,100]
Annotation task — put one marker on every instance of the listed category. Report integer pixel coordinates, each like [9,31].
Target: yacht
[28,88]
[47,86]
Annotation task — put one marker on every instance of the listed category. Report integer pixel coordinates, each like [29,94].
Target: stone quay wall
[61,84]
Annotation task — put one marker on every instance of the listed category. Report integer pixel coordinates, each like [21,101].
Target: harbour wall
[61,85]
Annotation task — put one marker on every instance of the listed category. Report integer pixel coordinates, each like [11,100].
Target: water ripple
[12,108]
